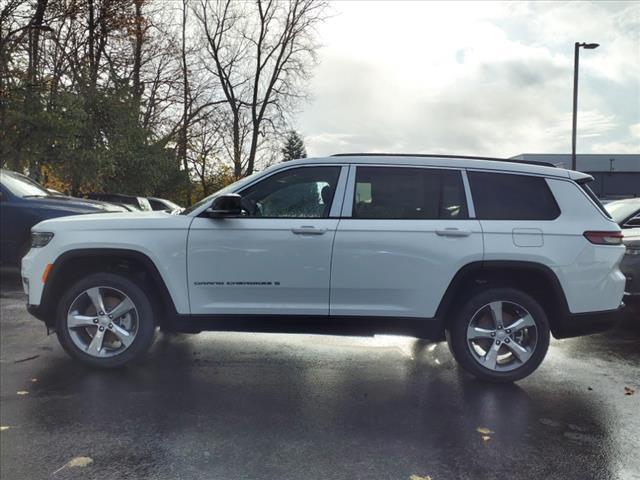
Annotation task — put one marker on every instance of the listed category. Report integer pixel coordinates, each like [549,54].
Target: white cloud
[616,147]
[479,78]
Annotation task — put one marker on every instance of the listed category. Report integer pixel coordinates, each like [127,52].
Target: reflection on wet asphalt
[245,406]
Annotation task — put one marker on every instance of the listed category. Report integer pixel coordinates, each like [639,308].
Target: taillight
[604,238]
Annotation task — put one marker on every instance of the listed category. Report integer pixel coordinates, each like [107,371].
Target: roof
[480,163]
[436,155]
[588,162]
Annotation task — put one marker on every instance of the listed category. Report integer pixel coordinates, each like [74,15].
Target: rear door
[404,234]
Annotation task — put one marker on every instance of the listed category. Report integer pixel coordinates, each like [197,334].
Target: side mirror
[225,206]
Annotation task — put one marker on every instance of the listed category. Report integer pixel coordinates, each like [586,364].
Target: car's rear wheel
[105,320]
[500,334]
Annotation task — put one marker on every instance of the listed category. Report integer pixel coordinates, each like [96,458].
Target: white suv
[491,254]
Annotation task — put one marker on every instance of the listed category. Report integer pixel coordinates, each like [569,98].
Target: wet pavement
[259,406]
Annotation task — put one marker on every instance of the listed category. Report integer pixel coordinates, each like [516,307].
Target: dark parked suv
[24,203]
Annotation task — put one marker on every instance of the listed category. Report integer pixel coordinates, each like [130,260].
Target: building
[616,176]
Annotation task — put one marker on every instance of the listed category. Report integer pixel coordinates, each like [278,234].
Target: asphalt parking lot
[257,406]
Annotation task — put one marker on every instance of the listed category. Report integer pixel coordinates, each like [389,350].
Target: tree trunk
[182,143]
[255,132]
[137,53]
[32,102]
[237,146]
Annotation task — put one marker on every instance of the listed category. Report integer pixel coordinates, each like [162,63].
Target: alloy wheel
[502,336]
[102,321]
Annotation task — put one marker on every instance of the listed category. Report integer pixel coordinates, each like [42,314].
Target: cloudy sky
[474,78]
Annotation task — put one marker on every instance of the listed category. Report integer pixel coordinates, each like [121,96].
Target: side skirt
[428,328]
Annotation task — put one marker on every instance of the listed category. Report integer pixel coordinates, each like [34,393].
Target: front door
[276,257]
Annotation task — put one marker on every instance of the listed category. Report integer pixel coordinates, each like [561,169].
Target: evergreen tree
[293,147]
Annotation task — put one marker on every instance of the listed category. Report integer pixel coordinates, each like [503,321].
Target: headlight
[633,251]
[40,239]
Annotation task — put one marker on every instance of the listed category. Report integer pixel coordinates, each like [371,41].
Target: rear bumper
[578,324]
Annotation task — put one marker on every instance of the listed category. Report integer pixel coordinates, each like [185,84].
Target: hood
[75,205]
[140,220]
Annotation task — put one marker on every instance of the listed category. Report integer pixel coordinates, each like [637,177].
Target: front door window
[305,192]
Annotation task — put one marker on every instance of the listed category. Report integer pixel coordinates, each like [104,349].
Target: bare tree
[96,90]
[261,54]
[206,147]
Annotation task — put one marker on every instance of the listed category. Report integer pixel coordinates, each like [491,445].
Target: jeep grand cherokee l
[491,255]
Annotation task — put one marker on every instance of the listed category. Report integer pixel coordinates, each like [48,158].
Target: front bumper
[37,311]
[578,324]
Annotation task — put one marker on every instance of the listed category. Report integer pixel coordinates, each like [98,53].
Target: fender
[51,290]
[481,272]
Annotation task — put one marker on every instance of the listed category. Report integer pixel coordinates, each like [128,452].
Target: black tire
[146,325]
[462,350]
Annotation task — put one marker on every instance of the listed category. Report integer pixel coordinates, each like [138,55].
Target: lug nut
[100,312]
[95,320]
[101,329]
[493,334]
[508,330]
[497,342]
[111,325]
[499,327]
[506,340]
[110,316]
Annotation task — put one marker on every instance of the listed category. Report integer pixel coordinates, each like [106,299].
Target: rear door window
[409,193]
[502,196]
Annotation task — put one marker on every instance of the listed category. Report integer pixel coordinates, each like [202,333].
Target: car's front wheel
[105,320]
[499,334]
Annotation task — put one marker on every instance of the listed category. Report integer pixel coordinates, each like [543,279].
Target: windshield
[623,209]
[229,188]
[22,186]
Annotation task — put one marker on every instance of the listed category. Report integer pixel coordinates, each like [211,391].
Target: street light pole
[576,59]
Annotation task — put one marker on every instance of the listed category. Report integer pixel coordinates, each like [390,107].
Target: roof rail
[438,155]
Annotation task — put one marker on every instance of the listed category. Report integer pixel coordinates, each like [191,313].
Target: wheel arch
[536,279]
[74,264]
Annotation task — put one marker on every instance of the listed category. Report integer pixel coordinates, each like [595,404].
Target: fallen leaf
[3,428]
[76,462]
[80,462]
[629,391]
[484,430]
[418,477]
[485,438]
[22,392]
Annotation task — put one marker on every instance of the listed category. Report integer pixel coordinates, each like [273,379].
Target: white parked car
[493,255]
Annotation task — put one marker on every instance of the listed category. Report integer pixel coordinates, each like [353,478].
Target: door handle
[308,230]
[453,232]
